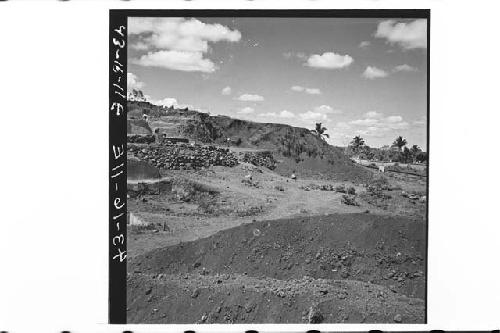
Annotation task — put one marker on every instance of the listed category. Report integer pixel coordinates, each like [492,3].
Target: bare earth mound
[334,268]
[297,149]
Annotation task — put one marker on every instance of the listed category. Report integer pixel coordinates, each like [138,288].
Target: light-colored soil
[237,201]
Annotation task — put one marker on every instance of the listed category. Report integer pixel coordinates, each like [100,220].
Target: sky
[356,76]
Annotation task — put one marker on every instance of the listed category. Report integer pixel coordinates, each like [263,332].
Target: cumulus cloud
[286,114]
[394,119]
[313,91]
[364,44]
[376,125]
[178,43]
[133,82]
[327,109]
[226,91]
[404,68]
[177,60]
[329,60]
[310,115]
[181,34]
[408,35]
[372,72]
[246,110]
[373,114]
[282,114]
[250,98]
[310,91]
[364,122]
[267,114]
[398,125]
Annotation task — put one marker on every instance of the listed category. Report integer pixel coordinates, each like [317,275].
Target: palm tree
[356,144]
[399,142]
[320,131]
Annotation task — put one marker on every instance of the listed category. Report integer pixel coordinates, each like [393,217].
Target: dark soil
[371,268]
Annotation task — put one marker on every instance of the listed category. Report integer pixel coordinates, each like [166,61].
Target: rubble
[184,156]
[263,158]
[349,200]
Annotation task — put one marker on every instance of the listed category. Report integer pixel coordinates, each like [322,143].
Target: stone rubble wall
[184,156]
[264,159]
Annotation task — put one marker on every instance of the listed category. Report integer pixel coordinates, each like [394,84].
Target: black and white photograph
[257,166]
[277,169]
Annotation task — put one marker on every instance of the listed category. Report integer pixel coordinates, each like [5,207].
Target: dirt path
[186,224]
[239,204]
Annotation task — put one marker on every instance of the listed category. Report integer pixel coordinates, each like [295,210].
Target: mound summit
[296,149]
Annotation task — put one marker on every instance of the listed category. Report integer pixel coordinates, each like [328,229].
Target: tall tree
[320,131]
[421,157]
[399,142]
[406,155]
[356,144]
[414,150]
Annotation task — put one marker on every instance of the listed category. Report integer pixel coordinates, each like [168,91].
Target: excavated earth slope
[334,268]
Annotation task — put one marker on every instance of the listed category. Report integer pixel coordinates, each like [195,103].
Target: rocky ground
[245,244]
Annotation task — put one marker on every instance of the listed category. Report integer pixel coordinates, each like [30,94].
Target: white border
[53,241]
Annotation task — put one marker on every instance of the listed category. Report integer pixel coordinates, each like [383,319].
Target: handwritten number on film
[118,163]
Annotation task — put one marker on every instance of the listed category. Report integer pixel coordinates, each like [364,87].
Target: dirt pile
[183,156]
[361,246]
[374,252]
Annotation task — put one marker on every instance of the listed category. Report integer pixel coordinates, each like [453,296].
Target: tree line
[397,152]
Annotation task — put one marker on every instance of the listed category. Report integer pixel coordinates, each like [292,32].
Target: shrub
[351,190]
[349,200]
